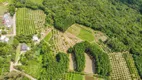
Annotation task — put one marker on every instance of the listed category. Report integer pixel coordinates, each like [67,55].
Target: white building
[4,39]
[35,38]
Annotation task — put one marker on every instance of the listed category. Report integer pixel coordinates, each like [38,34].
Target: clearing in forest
[120,70]
[81,32]
[29,21]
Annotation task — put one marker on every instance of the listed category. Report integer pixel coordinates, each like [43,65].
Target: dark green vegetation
[42,64]
[119,19]
[6,54]
[54,66]
[102,64]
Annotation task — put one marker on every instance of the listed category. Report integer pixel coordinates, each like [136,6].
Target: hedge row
[102,63]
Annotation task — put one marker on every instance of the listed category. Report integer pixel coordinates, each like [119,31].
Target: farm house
[24,47]
[7,21]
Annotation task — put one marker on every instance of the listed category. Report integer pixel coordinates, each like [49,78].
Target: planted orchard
[120,70]
[29,21]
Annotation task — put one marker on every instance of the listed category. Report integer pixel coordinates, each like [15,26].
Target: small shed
[35,38]
[2,38]
[24,47]
[6,39]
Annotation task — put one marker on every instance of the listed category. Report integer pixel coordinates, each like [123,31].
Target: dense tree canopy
[101,59]
[119,19]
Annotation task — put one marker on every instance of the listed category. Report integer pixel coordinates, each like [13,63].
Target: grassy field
[33,68]
[17,52]
[36,1]
[2,1]
[86,35]
[9,1]
[81,32]
[74,76]
[48,37]
[29,21]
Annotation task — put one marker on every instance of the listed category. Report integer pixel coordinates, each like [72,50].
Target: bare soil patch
[71,62]
[89,78]
[89,65]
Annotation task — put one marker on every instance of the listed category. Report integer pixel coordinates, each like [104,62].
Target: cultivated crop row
[28,21]
[120,70]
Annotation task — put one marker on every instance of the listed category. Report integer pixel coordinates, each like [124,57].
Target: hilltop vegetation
[101,60]
[120,20]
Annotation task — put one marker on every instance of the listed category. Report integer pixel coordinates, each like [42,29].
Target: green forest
[120,20]
[101,59]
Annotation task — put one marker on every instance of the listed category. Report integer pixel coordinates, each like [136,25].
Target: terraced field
[35,1]
[62,41]
[29,21]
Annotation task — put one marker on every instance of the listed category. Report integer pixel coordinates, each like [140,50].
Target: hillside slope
[120,20]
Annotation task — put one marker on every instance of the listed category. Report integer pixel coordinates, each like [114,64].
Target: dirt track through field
[71,62]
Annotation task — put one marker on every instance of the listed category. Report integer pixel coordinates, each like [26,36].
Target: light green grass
[33,68]
[48,37]
[86,35]
[74,29]
[17,52]
[74,76]
[82,32]
[36,1]
[9,1]
[2,1]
